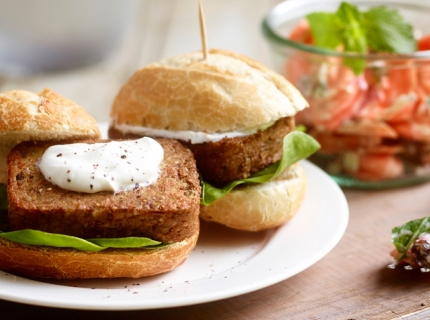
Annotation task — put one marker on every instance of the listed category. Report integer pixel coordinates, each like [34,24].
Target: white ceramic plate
[225,262]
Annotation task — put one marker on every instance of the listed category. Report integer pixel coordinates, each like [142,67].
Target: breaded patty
[166,210]
[236,158]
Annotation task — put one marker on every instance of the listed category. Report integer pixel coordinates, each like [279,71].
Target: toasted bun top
[226,92]
[26,116]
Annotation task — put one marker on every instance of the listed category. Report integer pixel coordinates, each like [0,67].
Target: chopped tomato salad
[373,123]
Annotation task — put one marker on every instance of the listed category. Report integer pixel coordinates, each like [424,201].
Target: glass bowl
[374,128]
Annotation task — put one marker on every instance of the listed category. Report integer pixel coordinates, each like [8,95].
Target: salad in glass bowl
[364,67]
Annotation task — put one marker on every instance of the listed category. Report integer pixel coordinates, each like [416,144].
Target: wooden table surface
[351,282]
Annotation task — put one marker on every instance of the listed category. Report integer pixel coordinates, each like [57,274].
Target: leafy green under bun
[403,236]
[3,197]
[296,146]
[41,238]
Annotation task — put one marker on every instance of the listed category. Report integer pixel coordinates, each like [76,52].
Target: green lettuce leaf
[403,236]
[296,146]
[41,238]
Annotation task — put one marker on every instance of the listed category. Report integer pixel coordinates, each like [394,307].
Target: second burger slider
[237,117]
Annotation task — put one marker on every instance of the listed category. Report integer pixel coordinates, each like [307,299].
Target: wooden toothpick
[203,31]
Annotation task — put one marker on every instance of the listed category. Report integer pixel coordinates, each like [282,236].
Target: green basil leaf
[379,29]
[326,29]
[387,31]
[41,238]
[353,34]
[342,28]
[296,146]
[403,236]
[357,65]
[129,242]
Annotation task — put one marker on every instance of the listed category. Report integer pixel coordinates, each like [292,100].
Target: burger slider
[99,209]
[234,114]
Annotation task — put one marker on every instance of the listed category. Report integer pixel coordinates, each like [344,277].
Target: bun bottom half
[63,263]
[262,206]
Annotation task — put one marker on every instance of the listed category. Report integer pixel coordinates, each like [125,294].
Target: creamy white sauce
[113,166]
[193,137]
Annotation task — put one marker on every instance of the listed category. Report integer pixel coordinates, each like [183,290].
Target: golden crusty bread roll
[27,116]
[166,211]
[61,263]
[260,207]
[233,113]
[226,92]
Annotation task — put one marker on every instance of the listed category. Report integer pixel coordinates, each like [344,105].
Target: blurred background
[85,50]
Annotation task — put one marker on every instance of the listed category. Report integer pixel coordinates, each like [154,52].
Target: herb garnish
[403,236]
[379,29]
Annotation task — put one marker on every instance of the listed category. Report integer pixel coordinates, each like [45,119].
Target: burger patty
[166,210]
[235,158]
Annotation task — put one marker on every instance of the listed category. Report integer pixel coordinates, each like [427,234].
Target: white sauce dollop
[112,166]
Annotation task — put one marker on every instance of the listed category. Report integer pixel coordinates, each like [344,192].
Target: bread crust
[227,92]
[262,206]
[63,263]
[27,116]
